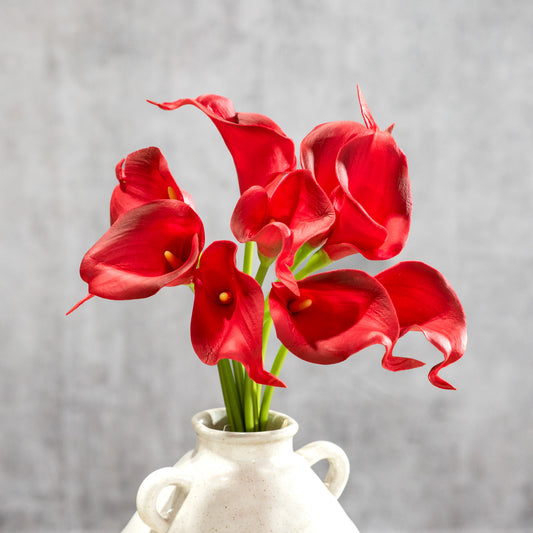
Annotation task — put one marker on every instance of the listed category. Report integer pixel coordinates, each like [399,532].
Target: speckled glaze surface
[242,482]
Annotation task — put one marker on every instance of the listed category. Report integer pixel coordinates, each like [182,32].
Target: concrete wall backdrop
[91,403]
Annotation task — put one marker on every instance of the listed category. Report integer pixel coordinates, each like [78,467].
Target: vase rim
[211,423]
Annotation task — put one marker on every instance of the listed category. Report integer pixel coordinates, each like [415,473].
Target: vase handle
[339,465]
[150,491]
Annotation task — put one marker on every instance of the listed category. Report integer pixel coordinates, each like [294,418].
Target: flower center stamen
[299,305]
[172,193]
[172,260]
[225,297]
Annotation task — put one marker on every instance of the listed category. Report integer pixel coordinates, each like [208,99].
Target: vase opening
[215,421]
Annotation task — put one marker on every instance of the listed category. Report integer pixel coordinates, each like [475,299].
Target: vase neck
[277,439]
[245,449]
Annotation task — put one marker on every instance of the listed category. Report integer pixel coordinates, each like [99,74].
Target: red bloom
[260,149]
[144,177]
[227,316]
[147,248]
[283,217]
[336,315]
[425,301]
[365,174]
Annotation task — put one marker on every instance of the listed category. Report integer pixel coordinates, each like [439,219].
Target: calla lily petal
[300,203]
[365,111]
[227,316]
[353,231]
[131,259]
[320,149]
[372,171]
[335,315]
[251,221]
[251,215]
[260,149]
[143,177]
[425,301]
[274,241]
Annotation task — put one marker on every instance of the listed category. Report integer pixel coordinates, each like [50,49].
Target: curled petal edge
[426,302]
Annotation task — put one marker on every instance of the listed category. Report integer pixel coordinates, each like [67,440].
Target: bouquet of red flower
[352,195]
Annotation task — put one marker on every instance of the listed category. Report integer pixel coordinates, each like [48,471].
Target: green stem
[300,255]
[262,271]
[256,401]
[238,371]
[269,391]
[258,389]
[231,398]
[267,326]
[248,257]
[317,261]
[229,412]
[249,423]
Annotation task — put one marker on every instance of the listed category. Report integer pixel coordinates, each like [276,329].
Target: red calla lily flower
[365,174]
[227,315]
[283,217]
[260,149]
[147,248]
[143,177]
[336,315]
[425,301]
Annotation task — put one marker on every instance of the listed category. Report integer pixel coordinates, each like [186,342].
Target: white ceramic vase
[243,482]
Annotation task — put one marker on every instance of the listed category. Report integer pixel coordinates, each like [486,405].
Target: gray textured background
[91,403]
